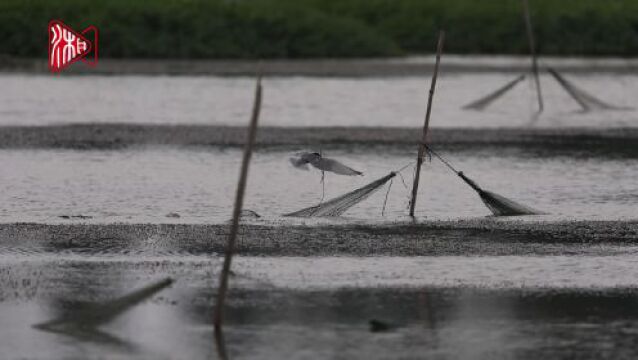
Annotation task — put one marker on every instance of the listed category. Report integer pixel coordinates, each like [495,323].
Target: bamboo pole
[220,344]
[532,49]
[239,200]
[574,94]
[426,124]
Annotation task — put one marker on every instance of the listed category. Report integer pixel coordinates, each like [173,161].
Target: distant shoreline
[370,67]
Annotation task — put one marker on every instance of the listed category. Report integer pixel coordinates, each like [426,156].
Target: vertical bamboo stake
[239,200]
[426,125]
[220,344]
[532,49]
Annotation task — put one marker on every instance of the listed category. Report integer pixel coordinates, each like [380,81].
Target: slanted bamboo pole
[570,90]
[583,98]
[532,49]
[239,200]
[426,125]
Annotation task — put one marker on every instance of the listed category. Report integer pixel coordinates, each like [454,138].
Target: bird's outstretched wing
[332,165]
[299,163]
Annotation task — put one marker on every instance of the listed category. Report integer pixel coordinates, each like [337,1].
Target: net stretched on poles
[339,205]
[499,205]
[582,97]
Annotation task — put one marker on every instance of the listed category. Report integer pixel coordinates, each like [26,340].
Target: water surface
[441,307]
[147,184]
[575,301]
[303,101]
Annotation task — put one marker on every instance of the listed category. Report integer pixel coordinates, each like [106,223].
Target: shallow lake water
[145,185]
[302,101]
[576,304]
[443,307]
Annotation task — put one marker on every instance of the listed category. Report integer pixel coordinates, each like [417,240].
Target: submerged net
[582,97]
[485,101]
[339,205]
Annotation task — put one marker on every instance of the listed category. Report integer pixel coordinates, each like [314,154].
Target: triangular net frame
[586,100]
[339,205]
[499,205]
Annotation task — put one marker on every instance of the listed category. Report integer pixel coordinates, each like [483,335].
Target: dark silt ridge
[430,238]
[117,136]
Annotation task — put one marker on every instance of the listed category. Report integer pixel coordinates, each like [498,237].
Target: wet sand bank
[431,238]
[116,136]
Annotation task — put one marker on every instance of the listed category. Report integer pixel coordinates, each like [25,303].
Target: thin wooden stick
[426,125]
[532,49]
[239,200]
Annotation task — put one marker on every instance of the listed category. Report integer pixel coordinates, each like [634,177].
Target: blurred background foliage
[323,28]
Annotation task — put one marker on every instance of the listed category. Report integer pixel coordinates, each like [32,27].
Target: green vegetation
[323,28]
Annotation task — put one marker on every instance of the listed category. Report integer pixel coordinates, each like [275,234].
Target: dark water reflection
[267,320]
[437,323]
[446,323]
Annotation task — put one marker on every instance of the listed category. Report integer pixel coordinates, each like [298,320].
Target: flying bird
[322,163]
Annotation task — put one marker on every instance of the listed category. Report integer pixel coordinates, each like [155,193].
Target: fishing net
[582,97]
[339,205]
[502,206]
[484,102]
[499,205]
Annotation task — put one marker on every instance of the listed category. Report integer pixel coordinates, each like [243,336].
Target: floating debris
[74,217]
[324,164]
[379,326]
[246,215]
[249,214]
[173,215]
